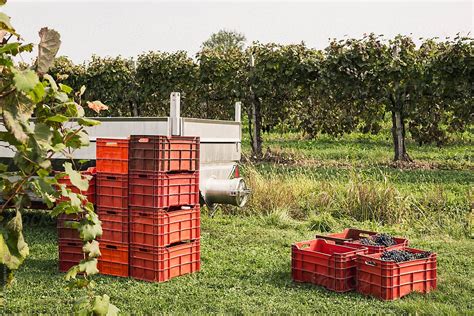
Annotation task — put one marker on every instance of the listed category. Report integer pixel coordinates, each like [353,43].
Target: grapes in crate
[378,240]
[403,255]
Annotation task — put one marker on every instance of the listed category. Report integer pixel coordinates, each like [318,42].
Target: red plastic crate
[115,225]
[389,280]
[163,190]
[160,228]
[162,264]
[351,237]
[114,259]
[322,263]
[65,232]
[163,154]
[112,155]
[90,193]
[70,254]
[112,190]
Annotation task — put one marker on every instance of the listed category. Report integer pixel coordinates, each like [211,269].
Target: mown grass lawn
[362,150]
[246,259]
[245,269]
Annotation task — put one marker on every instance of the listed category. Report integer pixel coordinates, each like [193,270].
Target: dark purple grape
[403,255]
[378,240]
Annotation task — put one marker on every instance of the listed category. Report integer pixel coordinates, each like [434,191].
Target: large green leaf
[13,248]
[25,80]
[75,177]
[5,23]
[59,118]
[82,306]
[90,231]
[47,49]
[16,115]
[87,266]
[87,122]
[15,48]
[102,306]
[92,249]
[43,134]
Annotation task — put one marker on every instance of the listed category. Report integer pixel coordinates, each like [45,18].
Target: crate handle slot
[304,245]
[144,140]
[111,247]
[338,241]
[71,244]
[143,249]
[142,176]
[111,144]
[371,263]
[111,177]
[111,212]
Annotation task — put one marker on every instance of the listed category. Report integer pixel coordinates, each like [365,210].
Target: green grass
[245,269]
[354,176]
[320,185]
[358,149]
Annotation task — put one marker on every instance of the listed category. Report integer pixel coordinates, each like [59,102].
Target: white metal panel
[215,152]
[113,128]
[211,130]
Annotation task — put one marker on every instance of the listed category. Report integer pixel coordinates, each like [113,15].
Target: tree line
[352,84]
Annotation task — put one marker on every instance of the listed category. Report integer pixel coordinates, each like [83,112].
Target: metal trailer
[220,150]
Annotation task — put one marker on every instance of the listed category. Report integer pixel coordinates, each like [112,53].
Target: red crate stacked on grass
[164,207]
[323,263]
[112,205]
[389,280]
[69,243]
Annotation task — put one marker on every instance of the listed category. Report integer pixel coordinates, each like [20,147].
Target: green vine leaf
[43,134]
[75,177]
[89,266]
[82,306]
[92,248]
[87,122]
[13,248]
[15,116]
[90,231]
[58,118]
[51,81]
[25,80]
[5,23]
[102,306]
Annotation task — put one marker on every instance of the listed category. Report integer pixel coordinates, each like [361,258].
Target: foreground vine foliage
[58,130]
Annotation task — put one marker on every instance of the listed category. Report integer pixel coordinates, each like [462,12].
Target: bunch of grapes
[378,240]
[403,255]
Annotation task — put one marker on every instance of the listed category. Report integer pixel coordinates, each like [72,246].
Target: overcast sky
[129,28]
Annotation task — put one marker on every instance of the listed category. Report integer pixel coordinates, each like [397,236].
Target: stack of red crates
[70,245]
[164,207]
[112,205]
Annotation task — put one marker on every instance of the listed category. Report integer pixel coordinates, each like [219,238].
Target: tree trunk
[249,116]
[398,133]
[257,126]
[134,108]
